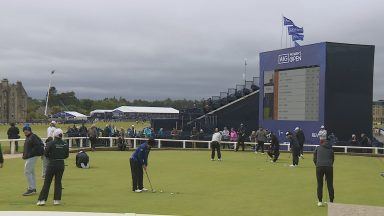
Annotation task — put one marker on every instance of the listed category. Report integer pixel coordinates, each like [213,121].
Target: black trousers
[260,144]
[295,156]
[301,144]
[274,154]
[56,170]
[215,146]
[93,141]
[328,173]
[240,143]
[137,175]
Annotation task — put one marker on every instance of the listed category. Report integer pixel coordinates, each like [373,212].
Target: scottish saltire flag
[297,44]
[296,37]
[287,21]
[295,30]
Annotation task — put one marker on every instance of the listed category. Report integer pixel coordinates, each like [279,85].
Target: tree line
[67,101]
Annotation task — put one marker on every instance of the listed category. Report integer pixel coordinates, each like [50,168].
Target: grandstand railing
[192,144]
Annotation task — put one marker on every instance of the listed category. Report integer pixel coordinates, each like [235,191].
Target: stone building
[13,102]
[378,112]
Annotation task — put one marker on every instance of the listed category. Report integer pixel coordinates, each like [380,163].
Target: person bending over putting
[138,162]
[56,151]
[215,145]
[82,160]
[323,157]
[274,150]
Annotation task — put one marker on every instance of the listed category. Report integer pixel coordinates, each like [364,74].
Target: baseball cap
[322,127]
[58,132]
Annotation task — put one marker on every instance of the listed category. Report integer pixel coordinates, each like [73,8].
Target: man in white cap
[322,134]
[50,136]
[56,151]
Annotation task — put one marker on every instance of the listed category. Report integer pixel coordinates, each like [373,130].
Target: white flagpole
[49,88]
[282,31]
[245,70]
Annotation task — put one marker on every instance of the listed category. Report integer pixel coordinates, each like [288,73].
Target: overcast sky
[158,49]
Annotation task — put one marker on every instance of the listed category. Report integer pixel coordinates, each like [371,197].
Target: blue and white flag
[296,44]
[296,37]
[295,30]
[287,21]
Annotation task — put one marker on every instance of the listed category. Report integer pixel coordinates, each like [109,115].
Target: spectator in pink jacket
[233,135]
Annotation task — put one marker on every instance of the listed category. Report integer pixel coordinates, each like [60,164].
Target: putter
[150,184]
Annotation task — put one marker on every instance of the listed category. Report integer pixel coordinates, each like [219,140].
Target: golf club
[149,180]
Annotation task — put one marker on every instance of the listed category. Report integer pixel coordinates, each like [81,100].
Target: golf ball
[171,193]
[161,191]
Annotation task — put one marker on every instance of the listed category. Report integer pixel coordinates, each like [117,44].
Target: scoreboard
[315,85]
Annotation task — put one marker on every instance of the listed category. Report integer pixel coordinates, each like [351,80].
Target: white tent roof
[137,109]
[100,111]
[76,114]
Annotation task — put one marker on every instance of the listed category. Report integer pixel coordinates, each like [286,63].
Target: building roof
[137,109]
[69,114]
[100,111]
[76,114]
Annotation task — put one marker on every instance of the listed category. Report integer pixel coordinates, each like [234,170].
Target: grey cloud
[158,49]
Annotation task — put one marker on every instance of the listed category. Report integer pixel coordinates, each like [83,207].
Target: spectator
[365,142]
[225,137]
[13,133]
[160,133]
[76,133]
[322,134]
[233,135]
[261,137]
[253,139]
[174,133]
[241,137]
[194,136]
[93,136]
[83,131]
[121,140]
[332,139]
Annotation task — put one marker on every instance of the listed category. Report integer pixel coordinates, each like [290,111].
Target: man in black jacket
[1,158]
[56,151]
[33,148]
[323,157]
[295,148]
[301,139]
[241,137]
[13,133]
[274,150]
[82,160]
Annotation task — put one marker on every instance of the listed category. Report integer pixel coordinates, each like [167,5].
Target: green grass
[243,184]
[41,130]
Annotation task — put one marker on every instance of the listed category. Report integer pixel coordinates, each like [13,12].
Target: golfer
[82,160]
[215,145]
[295,148]
[50,136]
[56,151]
[323,157]
[33,149]
[138,162]
[274,150]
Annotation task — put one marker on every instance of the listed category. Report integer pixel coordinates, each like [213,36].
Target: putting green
[242,184]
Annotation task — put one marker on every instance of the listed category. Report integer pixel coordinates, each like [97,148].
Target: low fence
[83,142]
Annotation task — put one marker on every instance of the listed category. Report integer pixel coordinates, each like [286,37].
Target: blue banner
[295,30]
[287,21]
[296,37]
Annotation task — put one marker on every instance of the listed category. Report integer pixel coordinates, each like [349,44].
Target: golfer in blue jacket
[139,161]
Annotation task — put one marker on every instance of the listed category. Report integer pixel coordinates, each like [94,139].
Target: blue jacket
[141,154]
